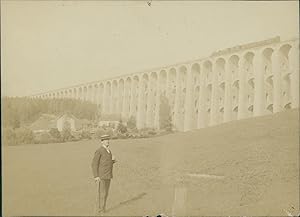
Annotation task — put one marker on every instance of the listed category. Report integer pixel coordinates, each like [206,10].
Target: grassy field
[255,164]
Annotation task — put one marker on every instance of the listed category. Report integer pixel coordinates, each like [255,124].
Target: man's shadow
[123,203]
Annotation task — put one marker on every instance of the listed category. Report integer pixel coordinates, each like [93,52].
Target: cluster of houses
[46,122]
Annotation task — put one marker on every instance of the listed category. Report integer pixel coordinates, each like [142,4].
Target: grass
[258,158]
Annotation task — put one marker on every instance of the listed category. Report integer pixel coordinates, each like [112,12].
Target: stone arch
[66,93]
[233,67]
[80,93]
[286,92]
[220,93]
[114,97]
[89,93]
[220,69]
[172,74]
[163,82]
[207,94]
[95,94]
[235,99]
[135,95]
[108,88]
[107,97]
[121,94]
[74,95]
[268,78]
[85,91]
[181,96]
[101,97]
[127,97]
[207,71]
[70,94]
[151,103]
[267,61]
[183,76]
[144,99]
[195,72]
[284,51]
[233,64]
[208,98]
[250,84]
[196,106]
[285,71]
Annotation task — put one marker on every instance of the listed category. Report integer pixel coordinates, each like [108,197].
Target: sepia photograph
[150,108]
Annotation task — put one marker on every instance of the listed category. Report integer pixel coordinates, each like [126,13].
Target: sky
[47,45]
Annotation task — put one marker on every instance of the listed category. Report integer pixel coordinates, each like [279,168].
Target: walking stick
[97,198]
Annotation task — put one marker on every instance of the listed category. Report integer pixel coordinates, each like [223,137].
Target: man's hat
[105,137]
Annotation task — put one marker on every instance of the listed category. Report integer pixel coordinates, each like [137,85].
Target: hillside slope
[248,167]
[258,158]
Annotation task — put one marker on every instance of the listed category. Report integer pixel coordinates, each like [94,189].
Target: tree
[165,119]
[24,136]
[18,111]
[9,136]
[55,133]
[131,124]
[43,138]
[121,127]
[66,134]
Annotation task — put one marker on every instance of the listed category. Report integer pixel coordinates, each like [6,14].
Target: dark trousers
[102,194]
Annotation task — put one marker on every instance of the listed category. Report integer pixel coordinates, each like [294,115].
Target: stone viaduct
[240,82]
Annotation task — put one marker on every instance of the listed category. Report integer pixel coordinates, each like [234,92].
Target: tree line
[20,111]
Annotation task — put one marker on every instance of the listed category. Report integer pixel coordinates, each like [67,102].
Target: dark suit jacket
[102,164]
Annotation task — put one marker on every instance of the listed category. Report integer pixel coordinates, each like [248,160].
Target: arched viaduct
[236,83]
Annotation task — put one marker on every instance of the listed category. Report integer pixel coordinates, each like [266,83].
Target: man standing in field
[102,166]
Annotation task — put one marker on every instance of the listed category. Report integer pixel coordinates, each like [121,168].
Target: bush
[109,132]
[85,134]
[66,135]
[152,132]
[43,138]
[24,136]
[120,135]
[55,133]
[121,128]
[131,123]
[76,136]
[9,136]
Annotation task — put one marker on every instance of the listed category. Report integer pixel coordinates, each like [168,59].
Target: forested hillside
[19,111]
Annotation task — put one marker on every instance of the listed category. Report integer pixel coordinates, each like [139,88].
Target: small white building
[66,121]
